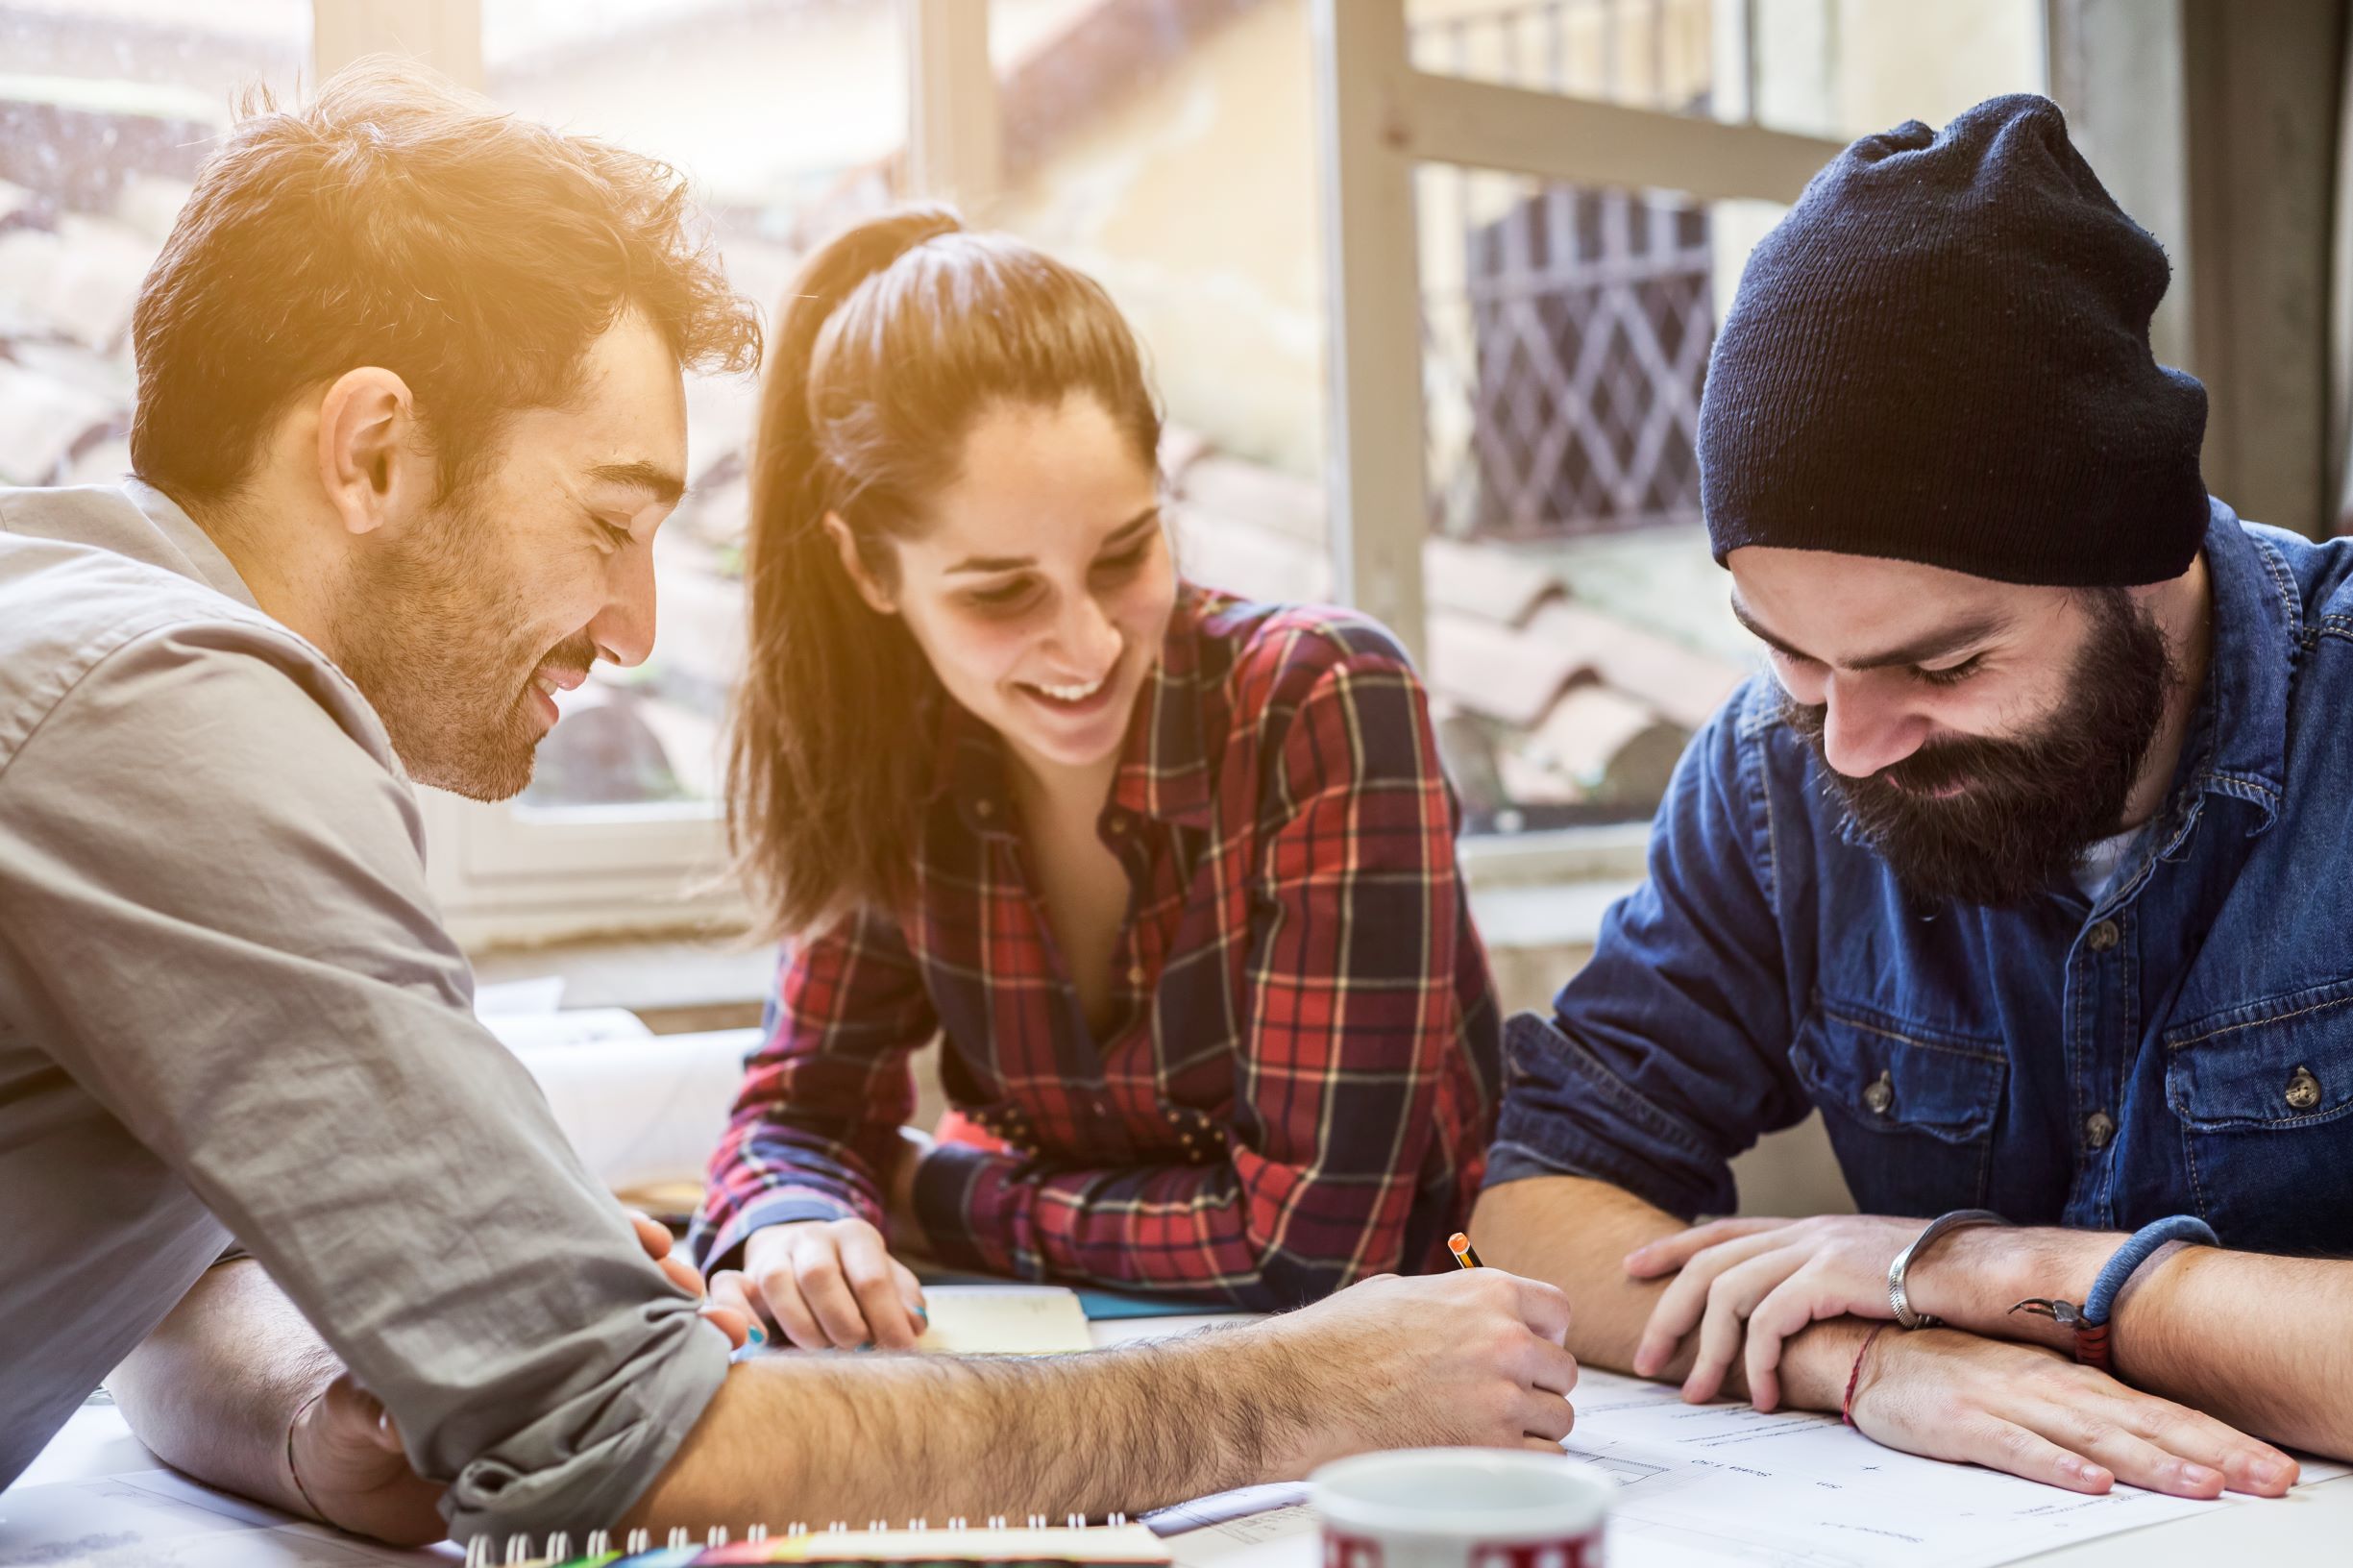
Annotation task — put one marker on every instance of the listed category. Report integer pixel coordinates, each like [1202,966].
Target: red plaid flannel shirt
[1305,1070]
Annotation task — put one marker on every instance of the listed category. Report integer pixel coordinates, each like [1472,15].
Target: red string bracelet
[1846,1410]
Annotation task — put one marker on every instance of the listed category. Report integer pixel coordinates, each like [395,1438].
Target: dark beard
[445,653]
[2032,805]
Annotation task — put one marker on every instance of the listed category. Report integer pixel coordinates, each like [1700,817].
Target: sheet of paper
[1004,1320]
[1721,1483]
[160,1519]
[525,1032]
[507,998]
[641,1111]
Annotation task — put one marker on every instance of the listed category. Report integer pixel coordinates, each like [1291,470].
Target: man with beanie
[2026,866]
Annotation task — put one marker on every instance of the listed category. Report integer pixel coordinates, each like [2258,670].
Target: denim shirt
[2182,1045]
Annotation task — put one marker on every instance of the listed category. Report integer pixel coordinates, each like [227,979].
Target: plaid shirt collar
[1165,765]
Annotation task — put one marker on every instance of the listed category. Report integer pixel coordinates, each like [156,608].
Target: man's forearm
[825,1437]
[214,1388]
[1573,1233]
[2265,1343]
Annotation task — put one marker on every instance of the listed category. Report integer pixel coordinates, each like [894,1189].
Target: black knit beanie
[1941,354]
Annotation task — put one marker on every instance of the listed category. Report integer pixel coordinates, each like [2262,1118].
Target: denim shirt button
[2102,937]
[2098,1128]
[1880,1096]
[2303,1090]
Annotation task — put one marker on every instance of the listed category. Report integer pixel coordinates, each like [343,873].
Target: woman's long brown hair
[894,336]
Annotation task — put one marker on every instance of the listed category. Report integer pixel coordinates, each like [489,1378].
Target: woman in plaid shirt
[1171,875]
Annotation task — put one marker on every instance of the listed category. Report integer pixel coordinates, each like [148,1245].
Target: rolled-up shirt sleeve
[216,904]
[1669,1052]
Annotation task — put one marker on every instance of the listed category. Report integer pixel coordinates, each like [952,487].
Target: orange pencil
[1460,1247]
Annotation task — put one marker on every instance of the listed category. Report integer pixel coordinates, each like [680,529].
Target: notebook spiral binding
[482,1550]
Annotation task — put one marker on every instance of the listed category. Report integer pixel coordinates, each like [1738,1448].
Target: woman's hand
[1753,1283]
[2032,1413]
[827,1284]
[914,1144]
[731,1318]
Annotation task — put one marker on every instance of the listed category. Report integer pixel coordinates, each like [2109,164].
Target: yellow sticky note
[1004,1320]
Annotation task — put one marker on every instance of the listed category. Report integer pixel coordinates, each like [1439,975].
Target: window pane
[1653,54]
[1578,628]
[107,106]
[1168,148]
[787,115]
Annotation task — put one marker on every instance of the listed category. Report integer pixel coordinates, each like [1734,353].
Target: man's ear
[846,543]
[372,458]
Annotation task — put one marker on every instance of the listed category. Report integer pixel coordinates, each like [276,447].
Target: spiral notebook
[997,1541]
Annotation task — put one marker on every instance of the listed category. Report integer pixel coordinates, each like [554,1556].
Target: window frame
[510,873]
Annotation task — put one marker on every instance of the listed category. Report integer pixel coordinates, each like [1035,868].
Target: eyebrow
[1126,532]
[1940,643]
[658,482]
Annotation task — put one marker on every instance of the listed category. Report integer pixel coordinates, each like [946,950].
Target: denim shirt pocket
[2264,1092]
[1910,1109]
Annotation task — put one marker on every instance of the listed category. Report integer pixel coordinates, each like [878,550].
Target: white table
[2314,1526]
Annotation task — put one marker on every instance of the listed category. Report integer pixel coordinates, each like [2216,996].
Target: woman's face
[1041,585]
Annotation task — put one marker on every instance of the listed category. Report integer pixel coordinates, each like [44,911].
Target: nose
[1865,727]
[623,630]
[1086,636]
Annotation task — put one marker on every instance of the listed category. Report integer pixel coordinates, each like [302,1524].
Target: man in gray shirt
[410,412]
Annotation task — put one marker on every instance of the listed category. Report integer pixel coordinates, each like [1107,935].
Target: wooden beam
[955,129]
[1580,141]
[1374,463]
[446,35]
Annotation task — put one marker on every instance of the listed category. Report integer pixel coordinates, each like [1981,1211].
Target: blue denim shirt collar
[2242,714]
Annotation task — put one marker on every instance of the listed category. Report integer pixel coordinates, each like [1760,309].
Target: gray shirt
[228,1008]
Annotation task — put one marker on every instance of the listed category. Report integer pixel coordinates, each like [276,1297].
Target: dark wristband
[2091,1322]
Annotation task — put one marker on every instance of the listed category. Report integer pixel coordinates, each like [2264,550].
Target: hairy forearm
[212,1390]
[2265,1343]
[908,1436]
[1573,1233]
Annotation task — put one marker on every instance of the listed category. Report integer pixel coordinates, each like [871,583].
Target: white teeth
[1071,694]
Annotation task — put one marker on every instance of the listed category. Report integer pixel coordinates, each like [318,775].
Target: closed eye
[615,534]
[1952,674]
[1125,562]
[1004,595]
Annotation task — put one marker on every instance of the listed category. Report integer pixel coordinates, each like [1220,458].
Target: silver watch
[1937,1227]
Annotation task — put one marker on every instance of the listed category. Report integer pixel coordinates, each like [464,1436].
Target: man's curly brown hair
[394,221]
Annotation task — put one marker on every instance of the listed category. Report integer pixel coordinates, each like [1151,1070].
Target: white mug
[1461,1508]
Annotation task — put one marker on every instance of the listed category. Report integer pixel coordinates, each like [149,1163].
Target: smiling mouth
[1069,695]
[550,681]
